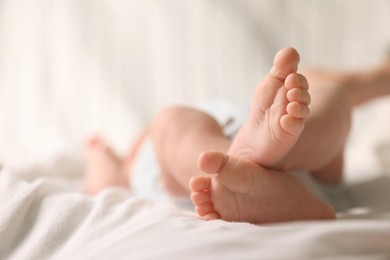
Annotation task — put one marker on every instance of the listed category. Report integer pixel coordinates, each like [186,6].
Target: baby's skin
[241,189]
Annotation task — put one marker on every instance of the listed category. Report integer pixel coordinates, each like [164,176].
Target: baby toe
[199,198]
[299,95]
[204,209]
[211,161]
[211,216]
[295,80]
[200,183]
[297,110]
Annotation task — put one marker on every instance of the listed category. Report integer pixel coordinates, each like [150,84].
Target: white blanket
[42,219]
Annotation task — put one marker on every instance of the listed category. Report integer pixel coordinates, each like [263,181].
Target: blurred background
[73,67]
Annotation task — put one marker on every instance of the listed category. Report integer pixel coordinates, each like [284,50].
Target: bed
[70,68]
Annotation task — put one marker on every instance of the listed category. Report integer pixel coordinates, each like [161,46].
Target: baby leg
[326,130]
[179,135]
[334,94]
[361,86]
[103,168]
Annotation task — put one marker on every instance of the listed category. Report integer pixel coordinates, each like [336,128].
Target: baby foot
[277,115]
[103,168]
[244,191]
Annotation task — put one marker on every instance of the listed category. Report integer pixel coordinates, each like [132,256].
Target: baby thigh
[179,135]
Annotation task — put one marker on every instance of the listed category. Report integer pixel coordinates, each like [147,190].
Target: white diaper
[145,178]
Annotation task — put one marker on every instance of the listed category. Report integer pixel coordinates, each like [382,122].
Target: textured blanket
[45,220]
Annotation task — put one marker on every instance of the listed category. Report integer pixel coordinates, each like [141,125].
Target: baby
[249,178]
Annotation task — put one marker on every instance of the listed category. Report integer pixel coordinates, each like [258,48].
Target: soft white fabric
[43,219]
